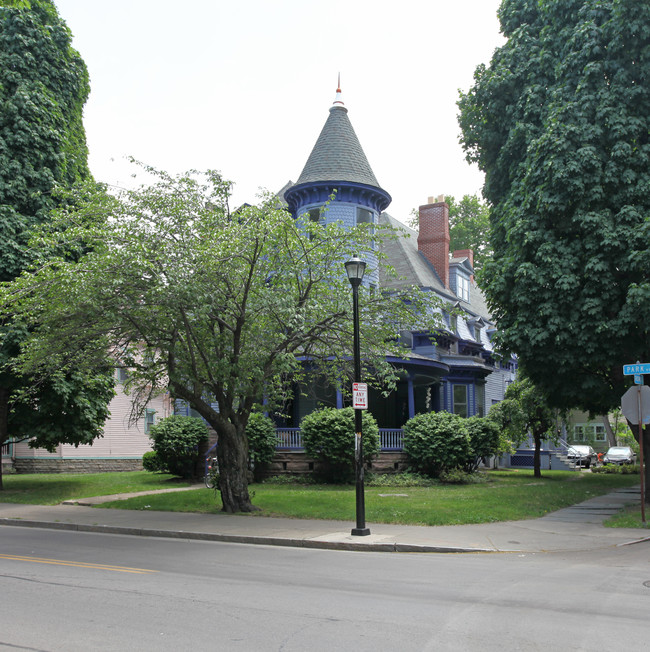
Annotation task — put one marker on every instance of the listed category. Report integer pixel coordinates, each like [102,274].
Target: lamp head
[355,268]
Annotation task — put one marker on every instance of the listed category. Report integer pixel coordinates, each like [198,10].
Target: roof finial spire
[338,100]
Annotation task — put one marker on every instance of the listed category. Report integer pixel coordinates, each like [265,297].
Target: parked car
[619,455]
[582,455]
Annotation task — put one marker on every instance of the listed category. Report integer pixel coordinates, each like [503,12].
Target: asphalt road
[80,591]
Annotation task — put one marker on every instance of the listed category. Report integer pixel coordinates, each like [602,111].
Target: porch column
[339,399]
[411,396]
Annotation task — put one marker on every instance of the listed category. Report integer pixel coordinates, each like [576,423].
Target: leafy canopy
[213,305]
[560,122]
[43,87]
[469,223]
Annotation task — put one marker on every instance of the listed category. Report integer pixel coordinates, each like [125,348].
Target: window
[480,400]
[314,215]
[149,420]
[453,323]
[122,375]
[477,333]
[462,287]
[589,432]
[460,400]
[364,216]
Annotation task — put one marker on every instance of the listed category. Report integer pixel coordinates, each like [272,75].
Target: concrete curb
[247,539]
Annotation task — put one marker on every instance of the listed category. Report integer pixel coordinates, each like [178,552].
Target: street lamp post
[355,269]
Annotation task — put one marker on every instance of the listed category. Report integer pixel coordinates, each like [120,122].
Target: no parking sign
[360,396]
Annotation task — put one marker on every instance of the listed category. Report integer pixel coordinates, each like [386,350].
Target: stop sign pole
[638,397]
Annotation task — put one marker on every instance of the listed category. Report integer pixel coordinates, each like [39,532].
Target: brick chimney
[433,239]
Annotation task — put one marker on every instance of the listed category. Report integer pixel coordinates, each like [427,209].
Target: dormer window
[462,287]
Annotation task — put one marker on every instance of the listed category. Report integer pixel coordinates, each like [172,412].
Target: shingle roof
[414,269]
[337,154]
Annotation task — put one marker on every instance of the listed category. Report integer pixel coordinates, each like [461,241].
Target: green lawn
[51,489]
[508,495]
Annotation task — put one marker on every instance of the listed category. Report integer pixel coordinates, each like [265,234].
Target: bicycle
[211,477]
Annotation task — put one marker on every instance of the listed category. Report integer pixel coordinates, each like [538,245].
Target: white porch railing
[392,439]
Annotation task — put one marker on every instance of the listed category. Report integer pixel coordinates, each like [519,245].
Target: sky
[244,87]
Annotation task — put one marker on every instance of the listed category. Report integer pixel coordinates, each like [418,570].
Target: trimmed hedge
[328,436]
[176,441]
[437,442]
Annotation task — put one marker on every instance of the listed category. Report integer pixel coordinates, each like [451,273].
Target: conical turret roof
[337,154]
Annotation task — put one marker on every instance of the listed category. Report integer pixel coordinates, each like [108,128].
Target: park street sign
[630,404]
[360,396]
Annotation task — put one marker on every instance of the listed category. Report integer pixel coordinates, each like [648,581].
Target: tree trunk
[232,454]
[537,457]
[4,424]
[611,437]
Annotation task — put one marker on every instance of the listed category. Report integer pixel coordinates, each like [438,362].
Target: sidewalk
[574,528]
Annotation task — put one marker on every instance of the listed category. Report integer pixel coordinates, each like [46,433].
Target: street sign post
[635,406]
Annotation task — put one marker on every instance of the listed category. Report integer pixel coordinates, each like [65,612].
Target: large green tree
[560,122]
[43,87]
[469,225]
[211,305]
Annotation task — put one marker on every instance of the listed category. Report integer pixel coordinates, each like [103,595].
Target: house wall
[346,214]
[120,448]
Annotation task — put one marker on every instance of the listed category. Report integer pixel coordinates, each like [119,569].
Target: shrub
[328,436]
[404,479]
[151,462]
[176,440]
[458,476]
[436,442]
[483,438]
[260,432]
[621,469]
[289,478]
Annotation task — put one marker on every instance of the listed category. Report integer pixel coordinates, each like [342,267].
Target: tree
[525,409]
[469,223]
[560,123]
[43,87]
[211,305]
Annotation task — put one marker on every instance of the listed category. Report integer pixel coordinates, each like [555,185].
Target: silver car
[619,455]
[582,455]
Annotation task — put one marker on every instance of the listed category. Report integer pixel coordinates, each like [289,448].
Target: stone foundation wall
[46,465]
[297,462]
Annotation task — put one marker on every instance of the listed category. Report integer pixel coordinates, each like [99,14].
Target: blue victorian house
[455,369]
